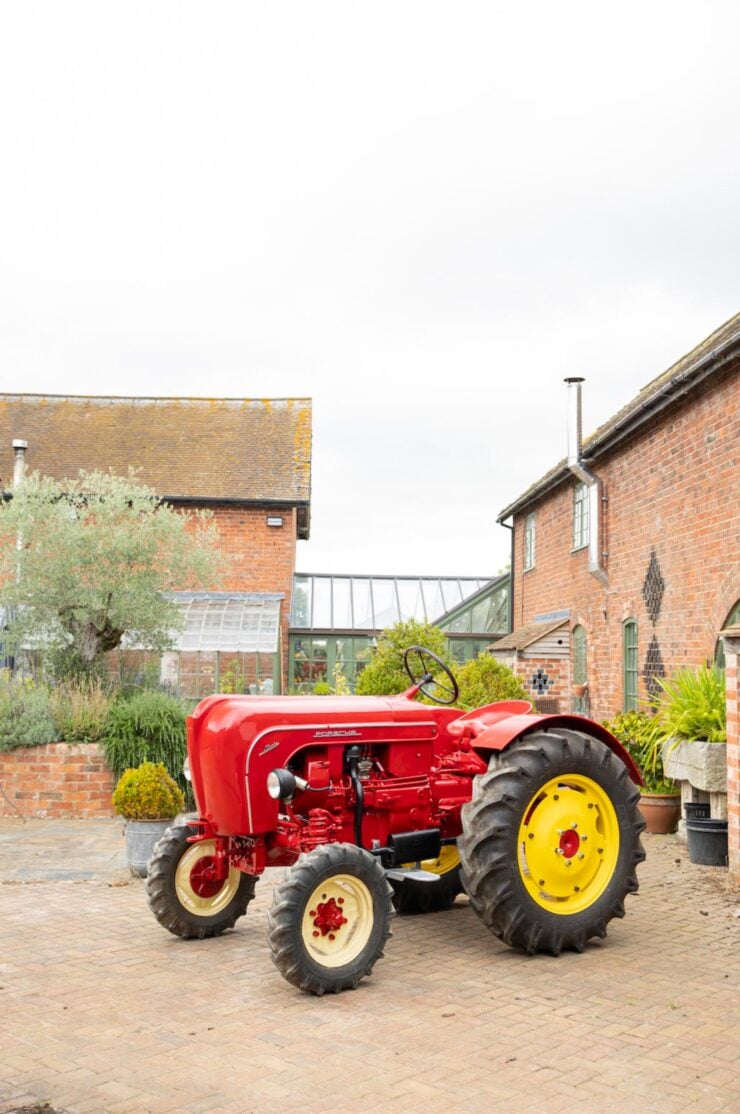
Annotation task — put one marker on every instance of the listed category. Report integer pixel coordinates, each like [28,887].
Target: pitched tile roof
[201,449]
[712,354]
[524,636]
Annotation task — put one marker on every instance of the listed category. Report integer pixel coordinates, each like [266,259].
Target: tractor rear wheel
[183,894]
[330,919]
[411,896]
[551,841]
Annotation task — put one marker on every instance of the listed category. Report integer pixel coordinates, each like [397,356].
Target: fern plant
[693,705]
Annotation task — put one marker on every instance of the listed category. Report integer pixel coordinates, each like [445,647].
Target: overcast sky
[422,215]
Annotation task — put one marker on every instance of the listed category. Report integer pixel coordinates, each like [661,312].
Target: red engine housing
[367,768]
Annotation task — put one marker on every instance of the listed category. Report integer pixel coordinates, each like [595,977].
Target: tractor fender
[501,735]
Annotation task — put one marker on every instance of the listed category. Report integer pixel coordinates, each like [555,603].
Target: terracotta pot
[661,811]
[580,690]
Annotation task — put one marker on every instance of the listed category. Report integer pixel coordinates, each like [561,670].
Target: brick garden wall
[673,489]
[55,781]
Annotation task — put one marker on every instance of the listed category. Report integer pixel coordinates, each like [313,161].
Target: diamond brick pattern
[653,588]
[540,682]
[653,669]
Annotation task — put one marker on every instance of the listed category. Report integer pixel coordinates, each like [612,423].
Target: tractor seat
[475,722]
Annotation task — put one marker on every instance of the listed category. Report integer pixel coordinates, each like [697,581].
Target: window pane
[409,595]
[342,604]
[435,604]
[384,601]
[529,541]
[321,603]
[580,675]
[463,624]
[301,609]
[364,619]
[630,666]
[454,593]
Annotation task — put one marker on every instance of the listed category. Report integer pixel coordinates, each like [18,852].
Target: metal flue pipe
[586,476]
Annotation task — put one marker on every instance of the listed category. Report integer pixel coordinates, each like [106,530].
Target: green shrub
[25,713]
[484,680]
[322,688]
[384,675]
[693,705]
[147,793]
[80,709]
[149,726]
[641,736]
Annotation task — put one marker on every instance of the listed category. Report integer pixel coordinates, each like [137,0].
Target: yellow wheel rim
[449,859]
[196,888]
[568,844]
[338,920]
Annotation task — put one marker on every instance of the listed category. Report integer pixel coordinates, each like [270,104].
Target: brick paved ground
[103,1011]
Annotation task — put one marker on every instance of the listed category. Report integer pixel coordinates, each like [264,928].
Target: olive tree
[87,563]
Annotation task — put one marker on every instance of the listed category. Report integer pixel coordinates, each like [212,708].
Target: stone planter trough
[700,768]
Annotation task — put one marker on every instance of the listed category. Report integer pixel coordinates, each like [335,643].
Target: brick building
[246,461]
[625,555]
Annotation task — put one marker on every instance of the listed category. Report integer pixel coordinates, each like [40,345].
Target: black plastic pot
[707,841]
[696,810]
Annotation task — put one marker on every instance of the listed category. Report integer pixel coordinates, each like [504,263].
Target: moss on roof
[245,450]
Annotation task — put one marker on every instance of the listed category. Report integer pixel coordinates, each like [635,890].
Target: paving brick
[105,1013]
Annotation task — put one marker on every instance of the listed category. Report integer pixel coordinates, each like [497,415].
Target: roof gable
[709,356]
[200,449]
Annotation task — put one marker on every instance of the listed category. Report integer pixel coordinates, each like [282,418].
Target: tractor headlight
[186,769]
[281,784]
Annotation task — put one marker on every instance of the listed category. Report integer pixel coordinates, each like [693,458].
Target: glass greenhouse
[335,620]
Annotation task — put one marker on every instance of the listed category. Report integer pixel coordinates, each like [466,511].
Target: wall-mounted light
[274,520]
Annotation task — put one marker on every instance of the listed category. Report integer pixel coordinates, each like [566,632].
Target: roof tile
[244,450]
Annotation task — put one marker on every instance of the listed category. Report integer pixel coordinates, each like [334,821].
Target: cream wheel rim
[338,920]
[197,889]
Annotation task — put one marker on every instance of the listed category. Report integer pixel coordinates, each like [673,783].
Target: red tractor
[378,801]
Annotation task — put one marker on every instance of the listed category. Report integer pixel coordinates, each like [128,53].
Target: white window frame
[530,537]
[581,518]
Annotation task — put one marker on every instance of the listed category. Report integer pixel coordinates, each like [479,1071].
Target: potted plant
[148,799]
[660,798]
[692,713]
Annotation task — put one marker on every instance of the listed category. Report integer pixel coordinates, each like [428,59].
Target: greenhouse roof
[240,622]
[326,602]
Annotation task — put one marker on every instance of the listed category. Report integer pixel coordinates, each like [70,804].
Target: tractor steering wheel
[424,676]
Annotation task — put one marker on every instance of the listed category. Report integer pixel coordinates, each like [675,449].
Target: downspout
[19,474]
[510,615]
[586,476]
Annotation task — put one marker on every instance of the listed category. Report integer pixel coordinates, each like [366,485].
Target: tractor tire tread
[162,896]
[285,917]
[490,871]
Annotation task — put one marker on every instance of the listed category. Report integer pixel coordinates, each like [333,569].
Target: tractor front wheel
[551,841]
[330,919]
[185,895]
